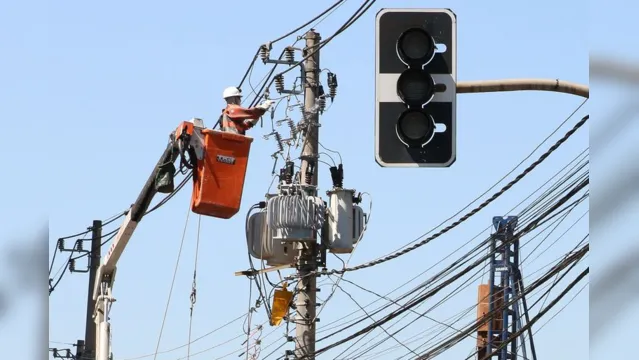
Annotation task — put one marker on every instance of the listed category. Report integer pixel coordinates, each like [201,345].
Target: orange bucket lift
[218,177]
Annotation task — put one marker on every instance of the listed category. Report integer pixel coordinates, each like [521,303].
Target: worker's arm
[240,113]
[249,116]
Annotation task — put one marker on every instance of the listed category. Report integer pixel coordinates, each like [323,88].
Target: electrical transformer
[345,221]
[261,244]
[295,217]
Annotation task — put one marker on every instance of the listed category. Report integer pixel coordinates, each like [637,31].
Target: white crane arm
[106,271]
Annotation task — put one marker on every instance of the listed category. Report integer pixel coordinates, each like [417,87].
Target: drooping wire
[560,310]
[84,235]
[257,53]
[452,340]
[430,293]
[168,301]
[89,229]
[333,151]
[265,80]
[431,332]
[530,154]
[488,201]
[193,296]
[421,313]
[358,13]
[541,313]
[480,246]
[249,317]
[250,68]
[66,268]
[110,235]
[332,7]
[431,281]
[370,317]
[362,9]
[55,252]
[221,327]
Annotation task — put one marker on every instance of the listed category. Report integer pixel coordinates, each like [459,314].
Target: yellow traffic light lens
[415,128]
[415,87]
[416,47]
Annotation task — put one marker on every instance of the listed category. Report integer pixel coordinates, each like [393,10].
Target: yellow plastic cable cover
[281,301]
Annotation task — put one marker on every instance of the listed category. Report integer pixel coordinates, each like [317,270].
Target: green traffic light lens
[416,46]
[415,87]
[415,128]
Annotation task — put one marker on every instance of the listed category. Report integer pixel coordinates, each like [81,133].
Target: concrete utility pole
[94,263]
[306,298]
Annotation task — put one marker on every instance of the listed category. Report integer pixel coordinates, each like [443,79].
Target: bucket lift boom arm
[182,140]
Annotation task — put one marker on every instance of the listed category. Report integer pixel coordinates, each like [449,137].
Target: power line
[332,7]
[450,268]
[420,315]
[370,317]
[430,293]
[527,209]
[257,53]
[502,178]
[431,332]
[168,301]
[224,326]
[358,13]
[472,212]
[109,236]
[563,264]
[440,274]
[542,312]
[548,193]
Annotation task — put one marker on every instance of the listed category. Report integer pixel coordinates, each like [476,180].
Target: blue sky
[103,85]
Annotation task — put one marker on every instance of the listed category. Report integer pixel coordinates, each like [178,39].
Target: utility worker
[237,119]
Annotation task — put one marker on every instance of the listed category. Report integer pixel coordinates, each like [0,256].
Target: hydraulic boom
[187,138]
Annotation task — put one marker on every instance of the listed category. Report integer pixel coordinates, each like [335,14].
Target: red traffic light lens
[415,128]
[415,46]
[415,87]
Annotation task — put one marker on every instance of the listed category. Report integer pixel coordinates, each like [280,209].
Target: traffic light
[415,87]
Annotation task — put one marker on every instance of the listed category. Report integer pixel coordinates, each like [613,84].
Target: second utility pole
[307,263]
[94,263]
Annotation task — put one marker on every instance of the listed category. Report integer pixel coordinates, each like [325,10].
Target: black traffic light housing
[415,87]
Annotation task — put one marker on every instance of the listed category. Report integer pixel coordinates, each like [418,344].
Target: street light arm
[556,85]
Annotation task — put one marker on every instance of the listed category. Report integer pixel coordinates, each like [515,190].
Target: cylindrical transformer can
[340,221]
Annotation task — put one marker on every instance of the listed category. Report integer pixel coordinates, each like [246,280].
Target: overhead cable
[567,263]
[461,261]
[536,318]
[248,70]
[522,221]
[472,212]
[358,13]
[434,291]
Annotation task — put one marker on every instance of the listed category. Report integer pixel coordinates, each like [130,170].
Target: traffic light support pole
[307,262]
[555,85]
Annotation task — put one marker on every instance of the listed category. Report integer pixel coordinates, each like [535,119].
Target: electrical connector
[279,83]
[337,175]
[331,79]
[289,53]
[265,52]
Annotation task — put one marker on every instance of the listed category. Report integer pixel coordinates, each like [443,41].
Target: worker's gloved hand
[266,104]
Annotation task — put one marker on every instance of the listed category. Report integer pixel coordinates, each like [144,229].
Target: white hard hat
[230,92]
